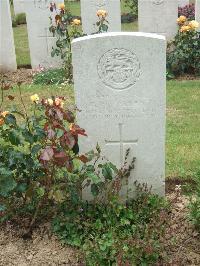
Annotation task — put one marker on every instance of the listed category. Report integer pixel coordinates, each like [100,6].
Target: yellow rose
[193,24]
[102,13]
[35,98]
[71,126]
[185,28]
[50,101]
[59,102]
[181,20]
[61,6]
[1,121]
[76,22]
[5,113]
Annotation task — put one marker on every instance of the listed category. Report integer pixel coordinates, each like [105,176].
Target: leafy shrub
[133,5]
[65,31]
[188,11]
[66,28]
[127,18]
[51,76]
[114,233]
[19,19]
[183,54]
[194,205]
[39,161]
[40,164]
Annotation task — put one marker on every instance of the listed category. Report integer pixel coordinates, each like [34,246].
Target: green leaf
[107,171]
[94,178]
[21,187]
[28,136]
[13,137]
[94,190]
[35,149]
[7,182]
[2,208]
[10,119]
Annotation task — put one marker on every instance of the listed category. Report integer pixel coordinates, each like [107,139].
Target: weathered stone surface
[197,11]
[89,17]
[158,16]
[41,40]
[18,6]
[7,48]
[120,90]
[183,3]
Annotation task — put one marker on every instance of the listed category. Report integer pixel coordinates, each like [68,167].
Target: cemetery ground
[43,174]
[181,241]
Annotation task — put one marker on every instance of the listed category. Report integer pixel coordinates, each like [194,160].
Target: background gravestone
[18,6]
[183,3]
[7,48]
[40,39]
[120,90]
[197,11]
[89,17]
[158,16]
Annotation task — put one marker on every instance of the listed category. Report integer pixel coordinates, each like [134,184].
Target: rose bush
[40,164]
[183,53]
[65,28]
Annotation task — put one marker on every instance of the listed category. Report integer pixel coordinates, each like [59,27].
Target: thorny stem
[2,95]
[22,101]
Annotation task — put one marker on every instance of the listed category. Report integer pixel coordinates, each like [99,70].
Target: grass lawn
[21,45]
[183,120]
[183,128]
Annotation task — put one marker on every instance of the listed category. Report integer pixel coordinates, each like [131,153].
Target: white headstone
[158,16]
[18,6]
[197,11]
[183,3]
[7,48]
[120,89]
[89,9]
[41,40]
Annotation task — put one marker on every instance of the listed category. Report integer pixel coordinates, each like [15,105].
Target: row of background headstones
[158,18]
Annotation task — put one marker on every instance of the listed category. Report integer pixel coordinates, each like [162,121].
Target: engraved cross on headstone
[121,142]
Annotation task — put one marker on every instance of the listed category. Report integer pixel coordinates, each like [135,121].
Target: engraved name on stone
[158,2]
[42,4]
[99,3]
[119,69]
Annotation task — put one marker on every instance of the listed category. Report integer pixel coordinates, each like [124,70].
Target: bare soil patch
[42,249]
[20,75]
[181,241]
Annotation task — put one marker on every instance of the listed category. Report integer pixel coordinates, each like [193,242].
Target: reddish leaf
[50,133]
[59,115]
[61,158]
[83,158]
[67,140]
[47,154]
[76,130]
[69,116]
[57,125]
